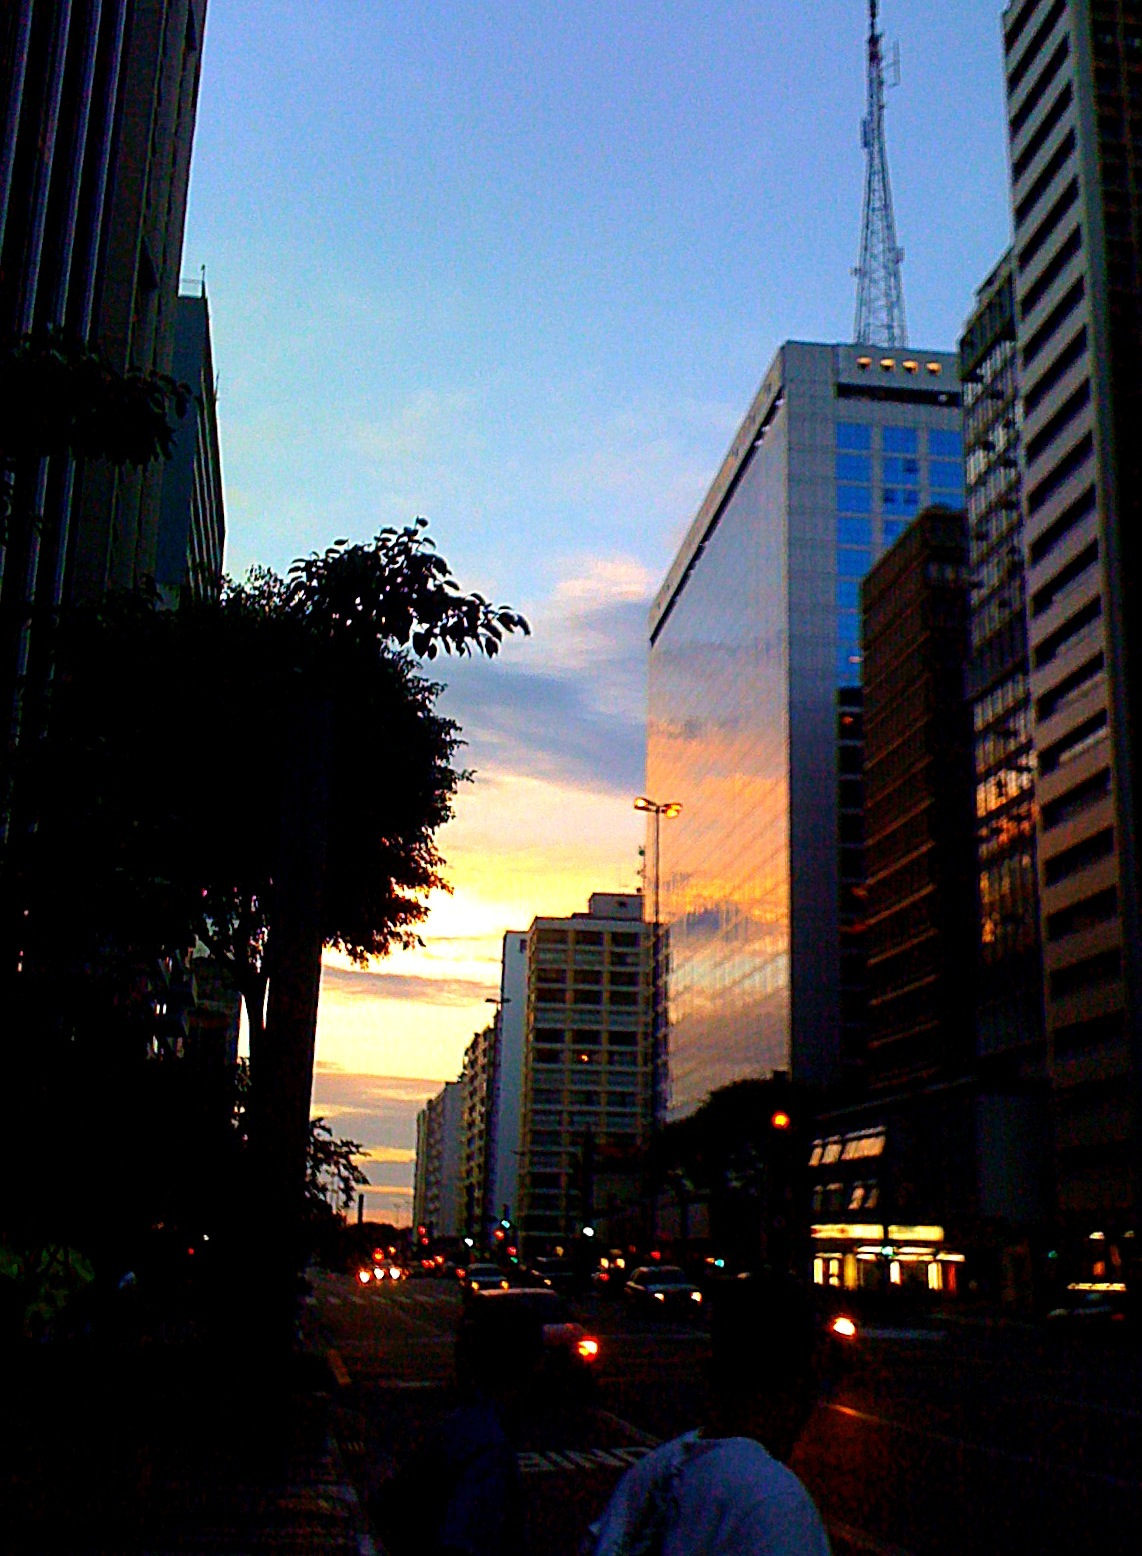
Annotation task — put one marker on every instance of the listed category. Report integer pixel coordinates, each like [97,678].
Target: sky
[520,268]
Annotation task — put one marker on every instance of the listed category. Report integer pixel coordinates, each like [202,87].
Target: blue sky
[520,268]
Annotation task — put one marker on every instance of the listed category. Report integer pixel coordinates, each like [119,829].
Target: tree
[168,775]
[332,1176]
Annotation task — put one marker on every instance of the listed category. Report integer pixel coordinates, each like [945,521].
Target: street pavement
[962,1438]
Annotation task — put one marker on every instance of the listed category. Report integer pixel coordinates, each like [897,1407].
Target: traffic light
[780,1120]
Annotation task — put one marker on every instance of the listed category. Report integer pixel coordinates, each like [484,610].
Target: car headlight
[588,1349]
[695,1296]
[660,1296]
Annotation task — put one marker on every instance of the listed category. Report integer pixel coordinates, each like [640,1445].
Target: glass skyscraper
[754,716]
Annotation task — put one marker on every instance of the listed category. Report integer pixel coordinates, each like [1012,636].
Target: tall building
[1009,994]
[1074,103]
[918,808]
[511,1024]
[437,1198]
[192,523]
[587,1062]
[754,707]
[97,109]
[477,1100]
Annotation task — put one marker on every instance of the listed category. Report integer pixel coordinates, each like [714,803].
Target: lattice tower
[880,287]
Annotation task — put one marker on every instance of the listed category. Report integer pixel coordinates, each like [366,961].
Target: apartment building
[1074,103]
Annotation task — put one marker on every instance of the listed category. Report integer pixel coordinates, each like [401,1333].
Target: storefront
[868,1256]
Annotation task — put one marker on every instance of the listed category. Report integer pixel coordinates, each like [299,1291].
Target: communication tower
[880,287]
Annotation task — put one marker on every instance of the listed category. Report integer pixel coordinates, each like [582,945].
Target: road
[962,1440]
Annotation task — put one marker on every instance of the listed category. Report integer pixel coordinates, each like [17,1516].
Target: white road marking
[538,1463]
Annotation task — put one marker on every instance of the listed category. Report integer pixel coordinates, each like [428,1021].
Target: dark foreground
[961,1439]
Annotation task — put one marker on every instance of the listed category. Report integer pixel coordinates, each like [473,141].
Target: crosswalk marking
[579,1459]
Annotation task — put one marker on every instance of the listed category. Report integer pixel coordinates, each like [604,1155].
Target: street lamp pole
[657,809]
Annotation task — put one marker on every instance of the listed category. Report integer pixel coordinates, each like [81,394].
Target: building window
[901,499]
[848,594]
[900,440]
[893,529]
[854,436]
[853,499]
[854,467]
[852,563]
[901,470]
[945,444]
[854,532]
[947,475]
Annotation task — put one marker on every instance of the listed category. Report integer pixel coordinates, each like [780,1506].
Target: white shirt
[721,1496]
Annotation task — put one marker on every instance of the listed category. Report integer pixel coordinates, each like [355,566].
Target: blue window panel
[945,445]
[854,499]
[900,440]
[848,666]
[905,472]
[852,435]
[848,594]
[848,629]
[854,467]
[901,499]
[893,529]
[947,474]
[854,532]
[853,564]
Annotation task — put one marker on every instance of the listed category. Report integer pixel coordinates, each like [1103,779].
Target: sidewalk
[172,1450]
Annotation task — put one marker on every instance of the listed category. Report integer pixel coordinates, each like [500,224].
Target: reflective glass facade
[754,678]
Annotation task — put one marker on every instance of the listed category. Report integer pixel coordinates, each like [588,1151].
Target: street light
[658,809]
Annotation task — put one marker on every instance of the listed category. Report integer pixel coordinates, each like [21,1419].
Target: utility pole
[880,287]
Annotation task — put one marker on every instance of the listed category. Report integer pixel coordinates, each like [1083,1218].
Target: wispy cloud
[358,984]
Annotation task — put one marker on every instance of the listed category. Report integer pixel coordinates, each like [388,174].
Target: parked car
[663,1286]
[570,1353]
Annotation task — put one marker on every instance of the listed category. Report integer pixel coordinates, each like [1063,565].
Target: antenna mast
[880,288]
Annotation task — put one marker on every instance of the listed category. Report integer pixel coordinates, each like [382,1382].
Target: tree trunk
[282,1078]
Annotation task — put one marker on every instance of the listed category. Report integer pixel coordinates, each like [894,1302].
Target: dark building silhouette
[917,798]
[1074,103]
[192,524]
[97,108]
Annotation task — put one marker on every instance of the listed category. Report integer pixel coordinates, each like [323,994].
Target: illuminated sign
[915,1234]
[845,1231]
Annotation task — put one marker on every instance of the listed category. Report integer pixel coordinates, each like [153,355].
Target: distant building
[477,1091]
[192,523]
[437,1202]
[755,706]
[587,1070]
[504,1127]
[1075,127]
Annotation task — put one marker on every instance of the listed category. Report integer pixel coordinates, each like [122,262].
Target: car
[610,1276]
[555,1274]
[663,1286]
[1091,1305]
[380,1273]
[570,1353]
[484,1277]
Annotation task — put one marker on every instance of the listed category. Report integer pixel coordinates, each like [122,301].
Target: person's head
[765,1351]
